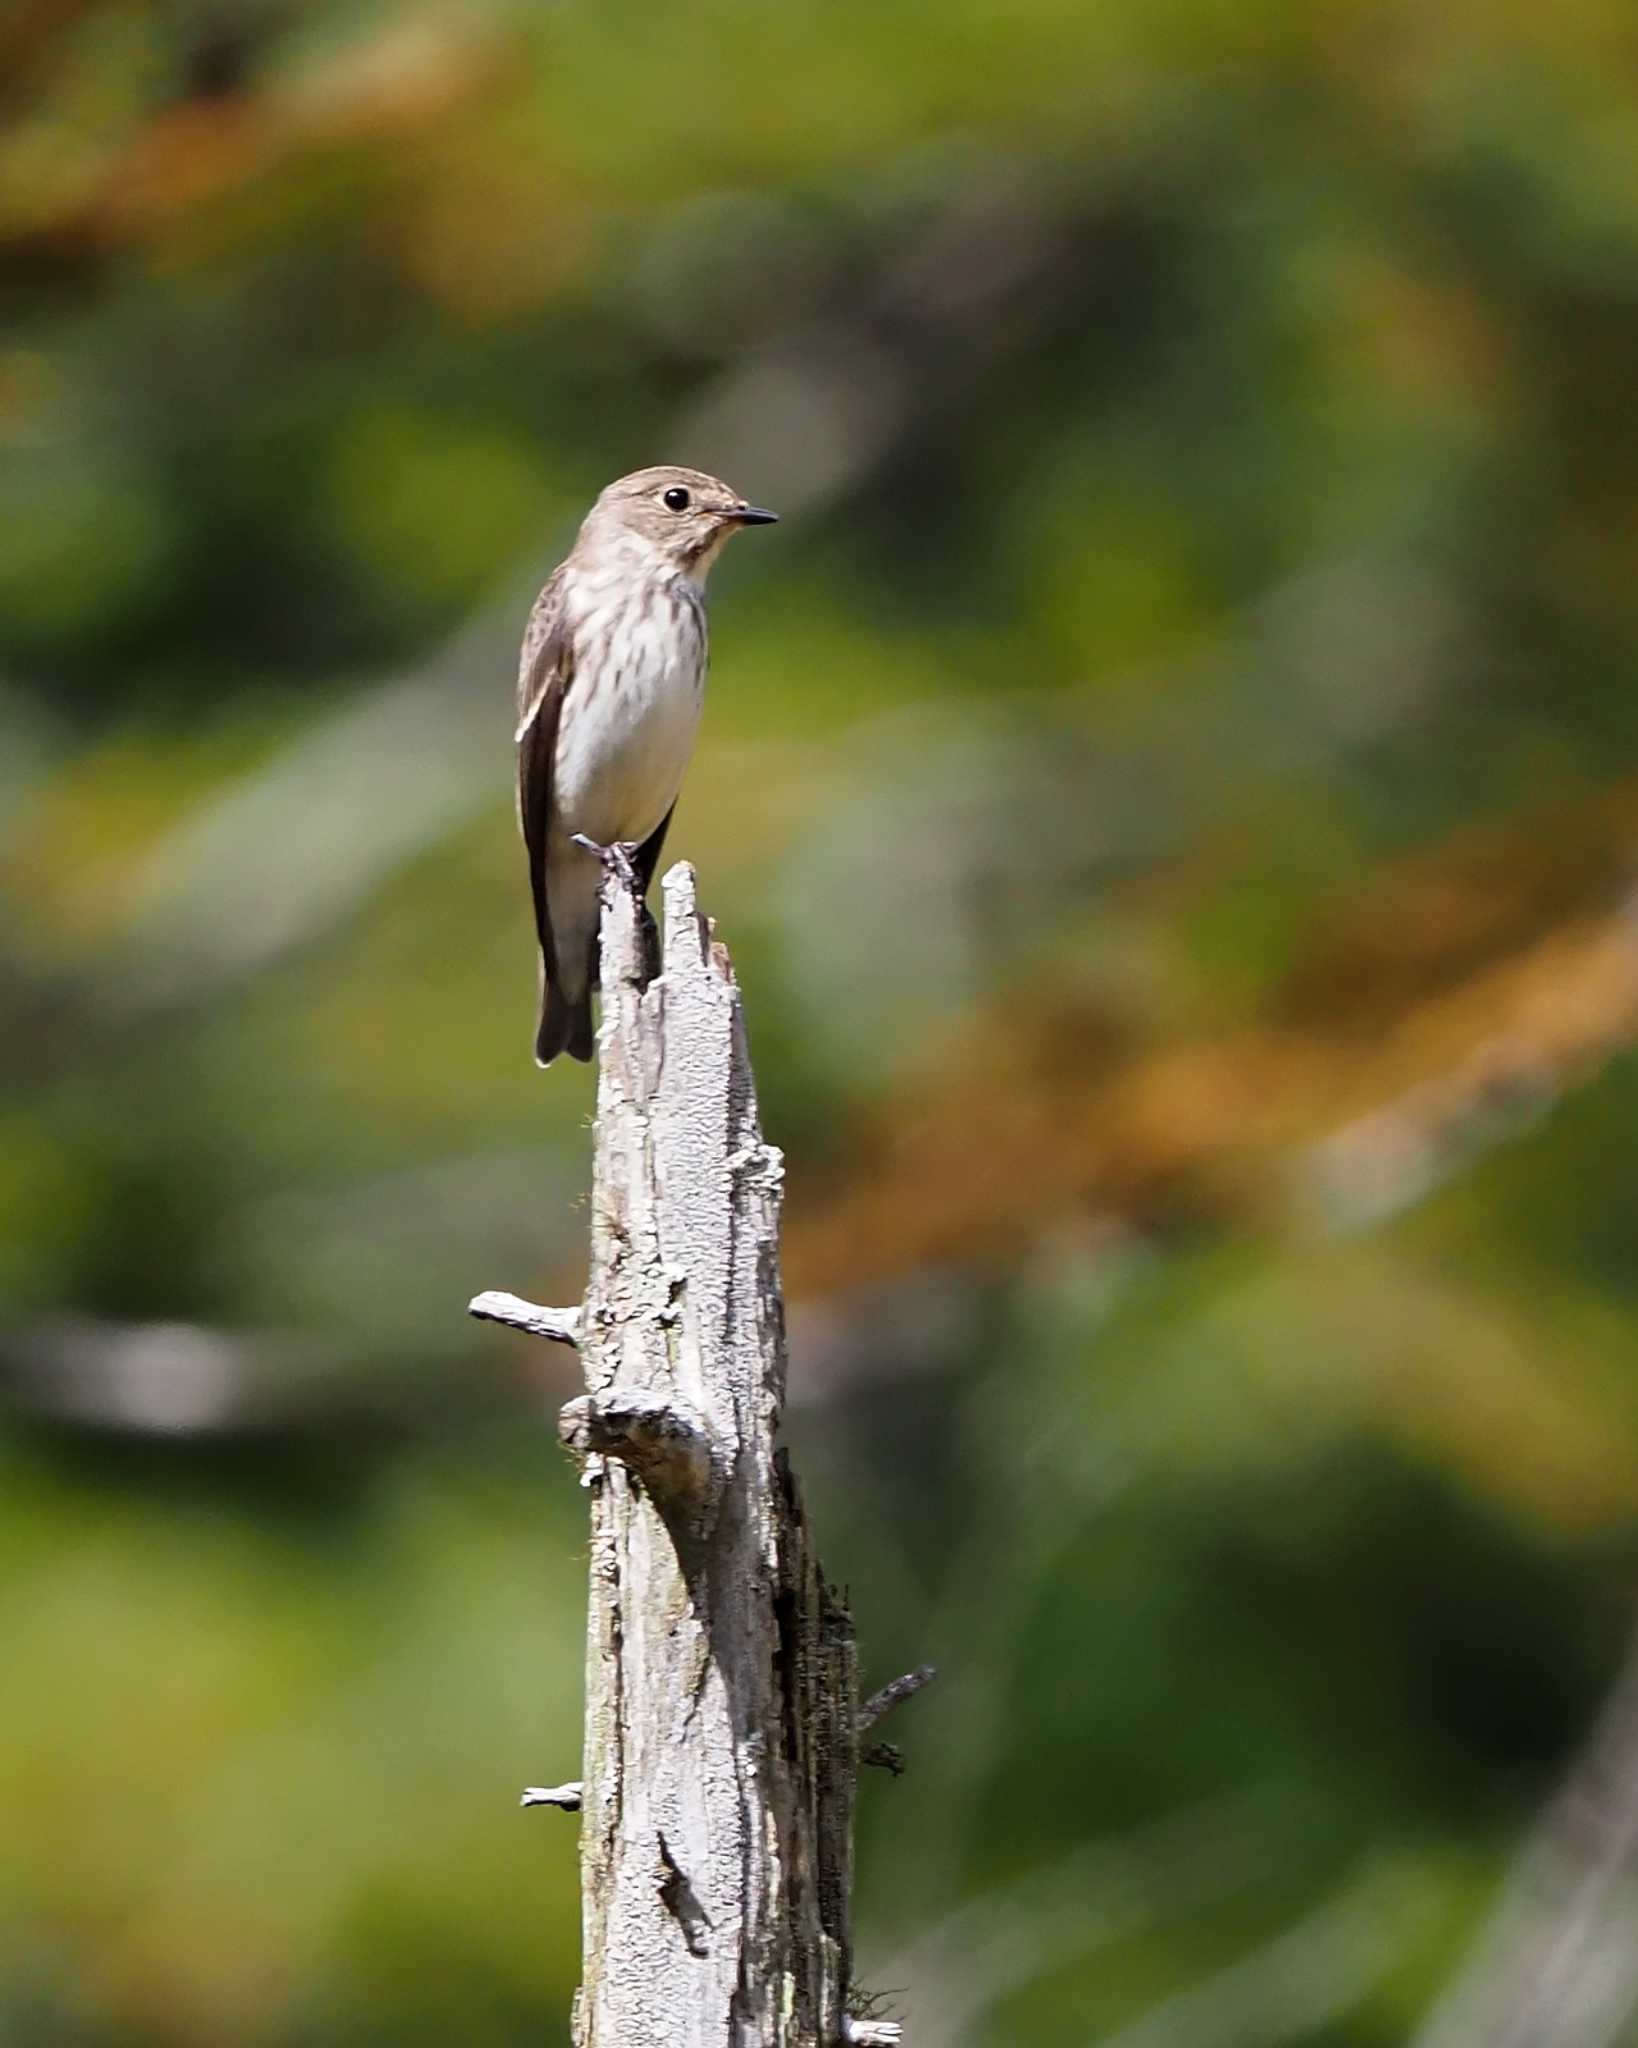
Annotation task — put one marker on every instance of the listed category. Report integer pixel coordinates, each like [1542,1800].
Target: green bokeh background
[1170,785]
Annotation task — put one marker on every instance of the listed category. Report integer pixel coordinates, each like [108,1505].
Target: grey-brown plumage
[610,684]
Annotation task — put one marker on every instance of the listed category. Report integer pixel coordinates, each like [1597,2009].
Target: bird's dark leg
[620,859]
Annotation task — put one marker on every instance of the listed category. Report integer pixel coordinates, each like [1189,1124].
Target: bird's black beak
[753,515]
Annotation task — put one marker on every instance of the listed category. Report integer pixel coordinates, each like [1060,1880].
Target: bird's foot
[618,859]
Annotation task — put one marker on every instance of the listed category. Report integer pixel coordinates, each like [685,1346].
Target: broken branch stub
[721,1688]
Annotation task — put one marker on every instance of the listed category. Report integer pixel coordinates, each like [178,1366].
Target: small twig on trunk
[561,1325]
[566,1798]
[881,1704]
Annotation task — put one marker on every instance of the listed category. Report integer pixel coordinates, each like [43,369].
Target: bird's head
[683,514]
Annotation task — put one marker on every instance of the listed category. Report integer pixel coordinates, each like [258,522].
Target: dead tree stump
[722,1711]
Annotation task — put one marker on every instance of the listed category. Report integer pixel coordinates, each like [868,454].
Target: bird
[611,680]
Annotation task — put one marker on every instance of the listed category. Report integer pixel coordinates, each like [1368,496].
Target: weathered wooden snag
[722,1712]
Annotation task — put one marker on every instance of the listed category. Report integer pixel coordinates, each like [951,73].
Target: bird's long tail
[565,1026]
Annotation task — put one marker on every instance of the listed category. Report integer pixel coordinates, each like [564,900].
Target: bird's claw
[617,859]
[620,860]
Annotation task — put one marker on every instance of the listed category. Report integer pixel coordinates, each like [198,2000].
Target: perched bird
[610,684]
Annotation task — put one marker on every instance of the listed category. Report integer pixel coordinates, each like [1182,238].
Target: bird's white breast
[633,704]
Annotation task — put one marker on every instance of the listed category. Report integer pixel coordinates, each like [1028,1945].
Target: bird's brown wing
[544,671]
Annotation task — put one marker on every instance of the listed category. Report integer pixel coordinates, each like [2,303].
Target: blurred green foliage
[1170,784]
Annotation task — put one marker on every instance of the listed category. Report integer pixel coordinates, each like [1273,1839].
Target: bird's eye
[676,499]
